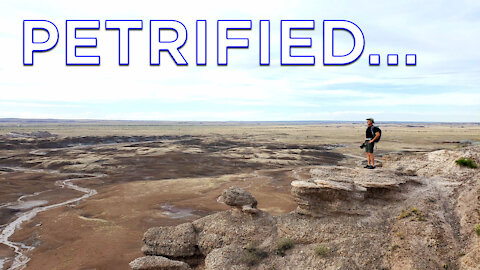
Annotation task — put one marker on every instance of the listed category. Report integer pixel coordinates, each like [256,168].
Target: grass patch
[466,162]
[321,250]
[283,245]
[253,255]
[411,212]
[477,229]
[405,213]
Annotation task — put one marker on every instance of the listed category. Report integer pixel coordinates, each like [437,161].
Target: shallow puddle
[177,213]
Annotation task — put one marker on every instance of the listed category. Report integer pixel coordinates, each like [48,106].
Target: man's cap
[370,119]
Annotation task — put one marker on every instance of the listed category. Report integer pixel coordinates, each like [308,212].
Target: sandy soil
[167,175]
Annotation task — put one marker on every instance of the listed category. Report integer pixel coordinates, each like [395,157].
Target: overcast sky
[444,86]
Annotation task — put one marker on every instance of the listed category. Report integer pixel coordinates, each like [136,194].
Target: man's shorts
[369,147]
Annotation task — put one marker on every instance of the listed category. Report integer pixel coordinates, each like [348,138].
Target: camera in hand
[363,145]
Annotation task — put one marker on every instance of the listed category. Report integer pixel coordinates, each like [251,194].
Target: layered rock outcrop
[347,218]
[339,190]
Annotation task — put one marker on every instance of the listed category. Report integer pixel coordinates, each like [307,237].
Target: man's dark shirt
[369,134]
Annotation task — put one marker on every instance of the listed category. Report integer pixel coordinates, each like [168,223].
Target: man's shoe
[371,167]
[367,167]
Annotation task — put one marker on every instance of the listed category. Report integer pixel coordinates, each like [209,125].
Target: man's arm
[376,137]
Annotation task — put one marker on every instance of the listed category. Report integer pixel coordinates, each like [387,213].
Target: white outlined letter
[30,46]
[201,42]
[123,27]
[264,43]
[287,42]
[224,42]
[73,42]
[329,57]
[172,47]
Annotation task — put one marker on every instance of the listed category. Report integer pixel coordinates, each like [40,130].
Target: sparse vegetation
[321,250]
[253,255]
[250,259]
[395,247]
[271,267]
[405,213]
[411,212]
[466,162]
[477,229]
[283,245]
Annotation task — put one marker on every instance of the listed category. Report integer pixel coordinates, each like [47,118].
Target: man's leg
[370,152]
[369,156]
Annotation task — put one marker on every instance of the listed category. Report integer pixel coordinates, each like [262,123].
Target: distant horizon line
[52,120]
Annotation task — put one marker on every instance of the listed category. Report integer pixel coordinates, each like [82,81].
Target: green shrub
[252,255]
[283,245]
[405,213]
[410,212]
[250,259]
[477,229]
[466,162]
[321,250]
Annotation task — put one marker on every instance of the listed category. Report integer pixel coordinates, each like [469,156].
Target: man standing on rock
[371,135]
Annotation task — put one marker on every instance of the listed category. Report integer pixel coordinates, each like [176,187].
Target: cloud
[440,33]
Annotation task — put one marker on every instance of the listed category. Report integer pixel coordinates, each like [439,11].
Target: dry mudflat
[148,175]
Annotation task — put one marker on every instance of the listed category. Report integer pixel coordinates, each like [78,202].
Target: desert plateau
[237,195]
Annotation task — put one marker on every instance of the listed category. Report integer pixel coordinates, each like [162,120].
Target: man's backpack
[373,133]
